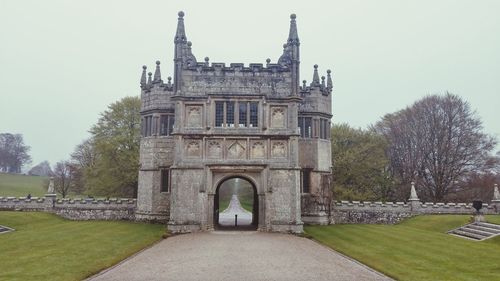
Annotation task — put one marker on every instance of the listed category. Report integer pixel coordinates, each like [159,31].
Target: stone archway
[220,217]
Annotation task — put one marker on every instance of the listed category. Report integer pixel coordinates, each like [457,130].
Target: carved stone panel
[192,148]
[258,149]
[214,149]
[278,149]
[236,149]
[194,116]
[278,117]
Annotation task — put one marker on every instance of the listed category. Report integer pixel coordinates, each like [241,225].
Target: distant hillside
[21,185]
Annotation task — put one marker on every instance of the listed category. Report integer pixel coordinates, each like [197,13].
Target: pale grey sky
[63,62]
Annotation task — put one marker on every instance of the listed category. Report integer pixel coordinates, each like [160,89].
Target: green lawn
[247,203]
[21,185]
[47,247]
[417,248]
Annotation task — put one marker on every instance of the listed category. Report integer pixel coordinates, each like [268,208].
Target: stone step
[489,225]
[468,234]
[482,228]
[469,228]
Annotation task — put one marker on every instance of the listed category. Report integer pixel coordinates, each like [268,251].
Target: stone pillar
[50,196]
[414,200]
[496,199]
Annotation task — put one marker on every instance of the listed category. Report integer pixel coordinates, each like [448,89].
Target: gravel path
[236,255]
[226,218]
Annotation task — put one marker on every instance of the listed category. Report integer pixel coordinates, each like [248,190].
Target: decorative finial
[169,79]
[329,83]
[315,81]
[496,194]
[157,77]
[150,80]
[293,37]
[206,60]
[143,76]
[268,61]
[413,193]
[51,189]
[323,81]
[304,84]
[180,34]
[189,43]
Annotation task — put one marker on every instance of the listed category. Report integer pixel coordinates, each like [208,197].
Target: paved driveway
[235,255]
[226,217]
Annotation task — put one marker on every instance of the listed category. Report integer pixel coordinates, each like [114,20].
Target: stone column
[414,200]
[496,199]
[50,196]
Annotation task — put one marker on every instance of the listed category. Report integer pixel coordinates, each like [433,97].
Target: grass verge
[416,249]
[46,247]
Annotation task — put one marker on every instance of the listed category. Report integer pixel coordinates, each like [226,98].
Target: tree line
[438,142]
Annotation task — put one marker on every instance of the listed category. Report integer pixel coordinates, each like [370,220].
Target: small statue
[51,190]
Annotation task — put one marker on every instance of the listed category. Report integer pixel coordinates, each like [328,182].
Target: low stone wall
[389,213]
[96,209]
[24,204]
[369,212]
[74,209]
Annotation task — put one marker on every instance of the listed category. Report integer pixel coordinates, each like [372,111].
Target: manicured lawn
[247,203]
[47,247]
[416,249]
[21,185]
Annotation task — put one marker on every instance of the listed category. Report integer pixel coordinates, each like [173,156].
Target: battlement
[75,209]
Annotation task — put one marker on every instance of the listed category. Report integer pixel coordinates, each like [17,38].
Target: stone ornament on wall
[214,149]
[258,149]
[278,149]
[278,117]
[236,150]
[193,116]
[193,149]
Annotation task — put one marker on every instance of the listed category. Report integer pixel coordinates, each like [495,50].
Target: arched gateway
[215,122]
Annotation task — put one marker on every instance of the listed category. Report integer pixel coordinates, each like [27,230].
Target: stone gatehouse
[213,122]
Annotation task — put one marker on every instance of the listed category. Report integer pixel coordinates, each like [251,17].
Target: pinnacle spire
[329,82]
[157,77]
[180,35]
[315,81]
[150,81]
[143,76]
[293,37]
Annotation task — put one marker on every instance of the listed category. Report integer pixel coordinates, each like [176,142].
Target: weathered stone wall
[389,213]
[24,204]
[75,209]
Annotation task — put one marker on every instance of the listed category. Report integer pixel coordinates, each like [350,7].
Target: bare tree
[436,142]
[63,177]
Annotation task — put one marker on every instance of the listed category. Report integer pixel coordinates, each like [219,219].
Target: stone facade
[214,122]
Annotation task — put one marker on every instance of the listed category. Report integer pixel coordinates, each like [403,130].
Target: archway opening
[236,205]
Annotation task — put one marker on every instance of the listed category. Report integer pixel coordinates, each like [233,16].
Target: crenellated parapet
[393,212]
[75,209]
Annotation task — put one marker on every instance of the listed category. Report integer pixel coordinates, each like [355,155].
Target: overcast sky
[63,62]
